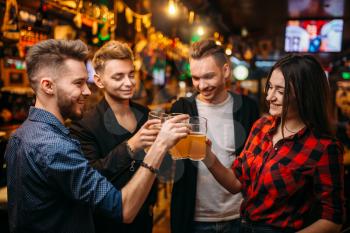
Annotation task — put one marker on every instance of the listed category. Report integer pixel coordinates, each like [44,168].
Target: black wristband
[152,169]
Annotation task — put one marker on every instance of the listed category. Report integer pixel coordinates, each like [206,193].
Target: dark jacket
[245,113]
[103,142]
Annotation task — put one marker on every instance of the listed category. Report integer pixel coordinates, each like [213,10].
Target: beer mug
[156,115]
[193,146]
[197,137]
[180,150]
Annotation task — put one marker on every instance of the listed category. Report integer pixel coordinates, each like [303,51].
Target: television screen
[316,8]
[313,36]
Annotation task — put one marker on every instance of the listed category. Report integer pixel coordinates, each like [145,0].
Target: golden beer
[197,146]
[180,150]
[192,147]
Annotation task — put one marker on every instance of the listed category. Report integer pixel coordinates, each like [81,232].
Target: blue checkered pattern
[51,188]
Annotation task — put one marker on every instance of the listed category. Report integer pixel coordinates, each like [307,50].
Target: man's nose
[127,81]
[202,84]
[86,90]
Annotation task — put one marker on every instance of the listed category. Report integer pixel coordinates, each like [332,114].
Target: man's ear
[226,69]
[46,85]
[98,81]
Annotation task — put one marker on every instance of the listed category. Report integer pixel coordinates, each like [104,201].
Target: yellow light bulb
[200,31]
[172,8]
[228,51]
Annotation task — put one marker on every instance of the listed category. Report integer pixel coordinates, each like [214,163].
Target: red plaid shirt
[280,183]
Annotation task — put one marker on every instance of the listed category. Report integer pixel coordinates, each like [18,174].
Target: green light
[345,75]
[104,38]
[195,38]
[182,77]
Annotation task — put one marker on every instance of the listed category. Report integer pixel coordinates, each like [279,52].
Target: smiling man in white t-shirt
[199,203]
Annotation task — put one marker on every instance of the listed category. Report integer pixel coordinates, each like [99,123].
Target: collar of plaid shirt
[281,183]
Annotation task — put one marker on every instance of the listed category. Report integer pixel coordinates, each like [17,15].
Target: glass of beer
[193,146]
[197,137]
[180,150]
[156,115]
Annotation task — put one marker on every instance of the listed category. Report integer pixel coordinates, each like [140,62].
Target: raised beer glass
[196,138]
[193,146]
[156,115]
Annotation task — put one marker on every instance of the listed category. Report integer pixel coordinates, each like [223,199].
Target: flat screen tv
[313,36]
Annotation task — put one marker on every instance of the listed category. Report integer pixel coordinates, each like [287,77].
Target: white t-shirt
[213,202]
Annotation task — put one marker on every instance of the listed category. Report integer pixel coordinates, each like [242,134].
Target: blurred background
[254,34]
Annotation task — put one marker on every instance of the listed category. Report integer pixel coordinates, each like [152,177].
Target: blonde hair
[109,51]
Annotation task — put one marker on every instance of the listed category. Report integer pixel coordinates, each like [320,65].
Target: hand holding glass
[193,146]
[156,115]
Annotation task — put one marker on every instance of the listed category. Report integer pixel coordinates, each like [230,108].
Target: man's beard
[66,108]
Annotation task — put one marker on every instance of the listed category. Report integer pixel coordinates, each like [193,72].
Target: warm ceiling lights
[172,8]
[200,31]
[228,51]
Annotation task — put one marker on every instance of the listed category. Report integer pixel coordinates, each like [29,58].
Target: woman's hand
[210,156]
[222,174]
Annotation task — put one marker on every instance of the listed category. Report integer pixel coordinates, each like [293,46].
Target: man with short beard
[51,187]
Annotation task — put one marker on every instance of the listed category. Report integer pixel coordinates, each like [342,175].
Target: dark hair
[304,76]
[51,54]
[206,48]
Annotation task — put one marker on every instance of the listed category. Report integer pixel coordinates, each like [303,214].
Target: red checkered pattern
[281,183]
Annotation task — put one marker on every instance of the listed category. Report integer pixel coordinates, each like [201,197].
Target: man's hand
[137,189]
[173,130]
[146,135]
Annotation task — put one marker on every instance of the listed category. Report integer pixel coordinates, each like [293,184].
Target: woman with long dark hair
[291,162]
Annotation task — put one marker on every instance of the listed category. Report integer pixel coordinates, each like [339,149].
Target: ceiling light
[218,43]
[228,51]
[172,8]
[200,31]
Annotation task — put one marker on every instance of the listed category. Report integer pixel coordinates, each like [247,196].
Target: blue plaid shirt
[51,187]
